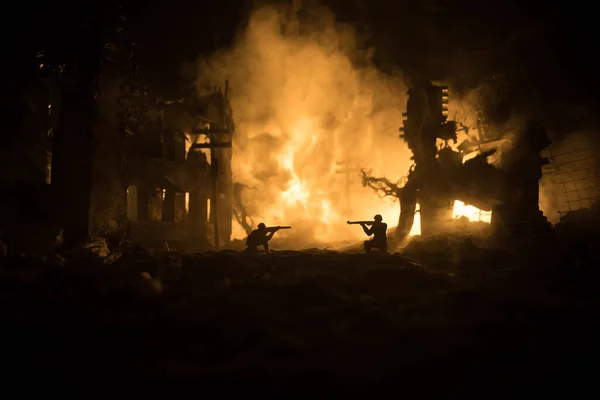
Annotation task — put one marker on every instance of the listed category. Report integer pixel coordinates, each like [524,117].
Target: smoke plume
[306,95]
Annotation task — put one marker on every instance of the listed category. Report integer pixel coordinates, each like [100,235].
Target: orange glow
[296,191]
[470,156]
[301,107]
[460,209]
[188,143]
[416,228]
[304,102]
[472,213]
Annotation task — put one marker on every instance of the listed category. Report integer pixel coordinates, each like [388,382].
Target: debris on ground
[346,316]
[149,285]
[98,246]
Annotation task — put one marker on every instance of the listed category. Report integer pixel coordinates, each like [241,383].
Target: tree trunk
[408,205]
[73,145]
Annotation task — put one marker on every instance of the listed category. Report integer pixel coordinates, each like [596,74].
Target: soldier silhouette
[260,237]
[379,231]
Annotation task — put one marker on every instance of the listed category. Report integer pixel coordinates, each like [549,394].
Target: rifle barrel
[360,222]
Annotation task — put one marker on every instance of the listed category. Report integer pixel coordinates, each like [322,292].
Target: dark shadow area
[459,322]
[126,191]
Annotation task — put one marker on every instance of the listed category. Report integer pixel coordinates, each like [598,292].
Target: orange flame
[303,99]
[472,213]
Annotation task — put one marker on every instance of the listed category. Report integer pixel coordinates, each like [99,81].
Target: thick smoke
[569,181]
[305,96]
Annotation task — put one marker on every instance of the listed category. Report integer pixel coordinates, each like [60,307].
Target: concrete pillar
[180,208]
[435,219]
[168,206]
[143,206]
[197,215]
[132,203]
[435,211]
[179,150]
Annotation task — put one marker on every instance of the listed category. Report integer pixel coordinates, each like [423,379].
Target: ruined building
[179,175]
[517,212]
[570,179]
[439,177]
[160,171]
[429,180]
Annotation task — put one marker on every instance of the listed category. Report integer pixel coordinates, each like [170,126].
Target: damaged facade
[509,189]
[166,180]
[570,180]
[179,175]
[170,179]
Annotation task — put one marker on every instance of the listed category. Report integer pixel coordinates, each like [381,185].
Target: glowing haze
[304,97]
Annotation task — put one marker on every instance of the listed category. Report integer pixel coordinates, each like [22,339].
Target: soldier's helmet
[262,226]
[378,218]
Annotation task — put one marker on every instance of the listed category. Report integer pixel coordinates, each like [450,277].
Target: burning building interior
[181,185]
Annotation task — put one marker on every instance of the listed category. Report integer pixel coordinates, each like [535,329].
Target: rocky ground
[447,319]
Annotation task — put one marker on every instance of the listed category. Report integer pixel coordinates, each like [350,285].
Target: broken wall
[25,123]
[27,216]
[571,181]
[108,210]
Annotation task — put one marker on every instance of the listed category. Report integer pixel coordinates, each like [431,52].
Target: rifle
[276,228]
[360,222]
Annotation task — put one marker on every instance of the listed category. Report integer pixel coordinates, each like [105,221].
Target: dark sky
[177,31]
[547,55]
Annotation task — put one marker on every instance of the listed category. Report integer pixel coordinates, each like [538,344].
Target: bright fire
[459,210]
[472,213]
[305,99]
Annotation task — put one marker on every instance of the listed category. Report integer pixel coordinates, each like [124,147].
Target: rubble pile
[577,231]
[226,314]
